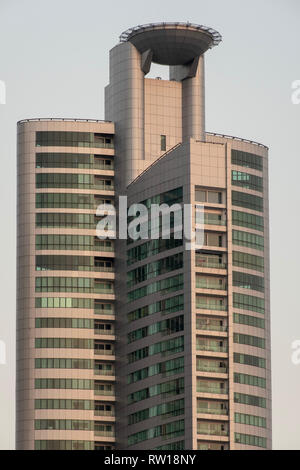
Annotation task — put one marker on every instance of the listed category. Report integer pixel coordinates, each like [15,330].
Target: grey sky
[54,61]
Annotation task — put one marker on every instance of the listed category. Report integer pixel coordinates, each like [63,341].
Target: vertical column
[124,104]
[193,104]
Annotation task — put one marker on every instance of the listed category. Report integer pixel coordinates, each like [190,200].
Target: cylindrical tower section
[124,105]
[193,104]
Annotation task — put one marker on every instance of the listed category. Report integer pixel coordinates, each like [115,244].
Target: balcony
[210,326]
[104,433]
[213,431]
[211,368]
[211,306]
[104,412]
[106,393]
[103,332]
[104,352]
[207,284]
[103,187]
[206,263]
[110,372]
[98,310]
[212,411]
[213,389]
[211,347]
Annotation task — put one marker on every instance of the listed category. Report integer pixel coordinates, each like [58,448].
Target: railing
[105,187]
[210,264]
[62,120]
[103,291]
[210,285]
[239,139]
[107,393]
[212,411]
[213,432]
[104,372]
[104,413]
[215,390]
[102,248]
[201,326]
[101,311]
[217,370]
[103,332]
[211,307]
[104,433]
[210,347]
[103,269]
[102,166]
[104,352]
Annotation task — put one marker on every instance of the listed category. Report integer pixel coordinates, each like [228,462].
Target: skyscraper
[143,344]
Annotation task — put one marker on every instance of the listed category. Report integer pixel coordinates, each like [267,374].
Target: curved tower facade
[148,343]
[65,286]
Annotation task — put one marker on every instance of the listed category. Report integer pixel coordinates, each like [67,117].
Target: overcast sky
[54,62]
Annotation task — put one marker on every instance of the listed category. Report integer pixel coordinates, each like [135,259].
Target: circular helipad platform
[172,43]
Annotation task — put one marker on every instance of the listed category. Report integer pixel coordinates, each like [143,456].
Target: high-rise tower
[143,344]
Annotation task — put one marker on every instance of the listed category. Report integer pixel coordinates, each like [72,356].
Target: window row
[248,302]
[250,440]
[62,404]
[151,248]
[251,400]
[164,286]
[249,240]
[72,242]
[68,220]
[165,389]
[248,201]
[170,305]
[73,139]
[246,159]
[73,263]
[243,219]
[249,360]
[248,320]
[58,363]
[168,326]
[171,346]
[63,302]
[73,343]
[154,269]
[168,368]
[248,281]
[247,379]
[63,424]
[73,284]
[249,340]
[245,260]
[73,160]
[165,431]
[247,180]
[172,408]
[73,180]
[69,201]
[64,384]
[63,445]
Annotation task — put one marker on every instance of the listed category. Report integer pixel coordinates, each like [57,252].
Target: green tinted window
[248,201]
[246,159]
